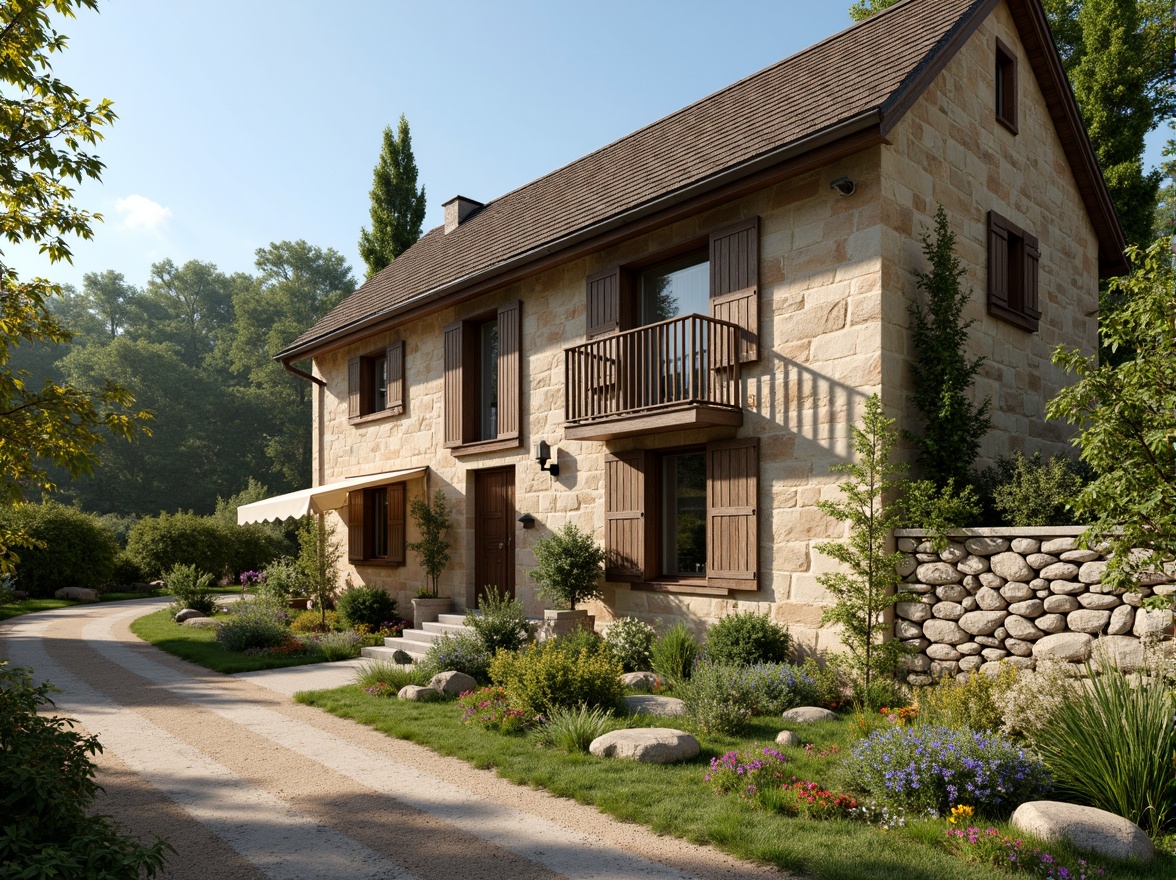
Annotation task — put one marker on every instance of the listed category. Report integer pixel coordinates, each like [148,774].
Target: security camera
[844,185]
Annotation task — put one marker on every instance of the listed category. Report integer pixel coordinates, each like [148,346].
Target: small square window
[1006,86]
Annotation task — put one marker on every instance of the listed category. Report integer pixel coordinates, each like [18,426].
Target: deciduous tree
[398,207]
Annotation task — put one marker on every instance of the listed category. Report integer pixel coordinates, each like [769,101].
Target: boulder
[648,704]
[646,745]
[1099,601]
[907,545]
[640,682]
[1023,629]
[988,599]
[1086,828]
[188,614]
[1060,571]
[419,693]
[1086,621]
[986,546]
[914,611]
[977,623]
[948,610]
[788,739]
[1018,648]
[401,657]
[1011,567]
[1070,647]
[1060,604]
[937,573]
[808,714]
[1122,619]
[1028,608]
[1059,545]
[973,565]
[453,684]
[947,632]
[77,594]
[204,623]
[1025,545]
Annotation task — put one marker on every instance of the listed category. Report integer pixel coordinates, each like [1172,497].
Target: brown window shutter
[354,391]
[1029,285]
[734,287]
[509,356]
[355,526]
[604,302]
[732,489]
[395,362]
[998,262]
[624,516]
[396,520]
[453,403]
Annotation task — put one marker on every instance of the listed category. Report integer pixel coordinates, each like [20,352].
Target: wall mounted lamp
[844,185]
[543,454]
[527,520]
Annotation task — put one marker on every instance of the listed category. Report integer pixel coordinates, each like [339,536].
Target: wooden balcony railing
[688,364]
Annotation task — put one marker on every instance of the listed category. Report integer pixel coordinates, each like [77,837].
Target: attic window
[1006,86]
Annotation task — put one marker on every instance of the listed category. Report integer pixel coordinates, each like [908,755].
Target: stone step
[385,653]
[440,627]
[453,619]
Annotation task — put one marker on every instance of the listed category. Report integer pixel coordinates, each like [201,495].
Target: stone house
[687,322]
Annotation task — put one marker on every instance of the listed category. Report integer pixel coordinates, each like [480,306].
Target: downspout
[317,427]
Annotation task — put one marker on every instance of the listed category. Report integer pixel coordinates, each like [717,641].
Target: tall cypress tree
[398,207]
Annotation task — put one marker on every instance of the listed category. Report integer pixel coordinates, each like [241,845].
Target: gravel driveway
[245,783]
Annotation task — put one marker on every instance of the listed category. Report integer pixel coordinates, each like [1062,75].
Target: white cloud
[139,212]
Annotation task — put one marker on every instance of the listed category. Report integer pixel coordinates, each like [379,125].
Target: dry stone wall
[1016,596]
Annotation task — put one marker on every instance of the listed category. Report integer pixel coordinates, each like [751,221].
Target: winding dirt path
[246,784]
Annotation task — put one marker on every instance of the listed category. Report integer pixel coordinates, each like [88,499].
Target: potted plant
[569,565]
[432,521]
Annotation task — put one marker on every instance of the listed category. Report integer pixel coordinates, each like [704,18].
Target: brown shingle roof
[858,74]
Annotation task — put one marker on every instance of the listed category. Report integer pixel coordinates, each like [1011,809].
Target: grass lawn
[28,606]
[676,800]
[200,646]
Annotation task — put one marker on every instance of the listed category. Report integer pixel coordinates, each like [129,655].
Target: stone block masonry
[1015,596]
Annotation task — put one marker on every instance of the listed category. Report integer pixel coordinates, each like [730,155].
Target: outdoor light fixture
[544,454]
[843,185]
[527,520]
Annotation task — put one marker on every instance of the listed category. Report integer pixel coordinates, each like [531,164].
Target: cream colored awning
[319,499]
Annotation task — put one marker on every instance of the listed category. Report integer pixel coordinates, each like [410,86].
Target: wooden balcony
[669,376]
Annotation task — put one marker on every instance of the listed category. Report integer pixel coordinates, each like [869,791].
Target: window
[376,525]
[1013,258]
[680,287]
[375,383]
[481,382]
[684,517]
[1006,86]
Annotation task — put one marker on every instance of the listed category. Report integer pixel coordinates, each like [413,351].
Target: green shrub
[939,509]
[672,654]
[719,699]
[500,622]
[549,675]
[630,640]
[829,682]
[457,652]
[47,780]
[1035,492]
[568,567]
[1112,745]
[312,621]
[579,641]
[191,588]
[75,550]
[283,580]
[974,703]
[393,676]
[746,638]
[125,570]
[334,646]
[367,605]
[574,729]
[253,623]
[158,543]
[776,687]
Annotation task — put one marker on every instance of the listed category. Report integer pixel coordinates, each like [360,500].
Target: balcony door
[494,519]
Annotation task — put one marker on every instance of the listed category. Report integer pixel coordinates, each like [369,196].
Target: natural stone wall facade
[1015,596]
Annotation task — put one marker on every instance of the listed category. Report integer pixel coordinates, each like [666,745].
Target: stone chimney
[457,209]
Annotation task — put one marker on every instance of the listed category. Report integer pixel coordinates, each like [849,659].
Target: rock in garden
[787,738]
[1099,601]
[916,611]
[401,657]
[948,610]
[1125,652]
[188,614]
[641,682]
[808,715]
[1060,571]
[77,594]
[1040,560]
[1070,647]
[1066,588]
[1011,567]
[947,632]
[1020,628]
[1028,608]
[1086,828]
[1060,604]
[646,745]
[1122,619]
[453,683]
[943,652]
[1080,556]
[986,546]
[419,693]
[1086,621]
[1026,545]
[953,552]
[1151,622]
[973,565]
[647,704]
[977,623]
[937,573]
[1018,648]
[990,600]
[1051,623]
[203,623]
[1059,545]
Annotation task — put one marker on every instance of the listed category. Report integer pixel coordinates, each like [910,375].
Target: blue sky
[246,122]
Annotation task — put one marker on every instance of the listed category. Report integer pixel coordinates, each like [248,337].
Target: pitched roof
[864,77]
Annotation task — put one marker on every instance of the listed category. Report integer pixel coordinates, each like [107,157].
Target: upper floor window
[1006,86]
[482,359]
[669,290]
[488,380]
[375,383]
[1013,258]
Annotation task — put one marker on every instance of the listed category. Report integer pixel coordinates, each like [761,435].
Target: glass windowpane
[489,370]
[674,289]
[684,515]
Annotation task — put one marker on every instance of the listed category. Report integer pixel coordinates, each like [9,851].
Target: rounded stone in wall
[916,611]
[994,654]
[973,565]
[907,545]
[970,603]
[1021,628]
[972,583]
[993,581]
[1152,622]
[969,648]
[971,664]
[1026,545]
[915,662]
[1018,648]
[1011,567]
[986,546]
[1020,662]
[905,629]
[1029,608]
[1001,634]
[938,573]
[1122,619]
[916,679]
[946,632]
[1060,571]
[951,592]
[1132,599]
[943,652]
[928,599]
[1105,589]
[1164,589]
[990,600]
[1041,594]
[1015,591]
[991,668]
[927,557]
[1061,604]
[1092,572]
[925,546]
[1066,588]
[1059,545]
[906,566]
[1039,584]
[917,588]
[987,641]
[942,668]
[919,644]
[1040,560]
[948,610]
[1070,647]
[1087,621]
[953,552]
[1051,623]
[977,623]
[1079,556]
[1100,601]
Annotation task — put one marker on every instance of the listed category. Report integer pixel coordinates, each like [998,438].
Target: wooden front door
[494,519]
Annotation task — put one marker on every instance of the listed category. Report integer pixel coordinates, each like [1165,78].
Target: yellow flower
[960,811]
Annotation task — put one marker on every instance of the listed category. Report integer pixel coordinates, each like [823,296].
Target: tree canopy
[398,207]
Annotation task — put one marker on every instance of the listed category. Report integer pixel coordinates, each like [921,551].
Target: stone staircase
[416,642]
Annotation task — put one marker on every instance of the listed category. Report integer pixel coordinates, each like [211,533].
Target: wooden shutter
[509,355]
[732,488]
[734,284]
[998,262]
[453,402]
[604,302]
[395,384]
[624,516]
[1029,281]
[355,530]
[354,390]
[396,520]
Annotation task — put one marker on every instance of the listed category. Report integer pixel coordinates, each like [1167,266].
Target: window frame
[361,505]
[463,388]
[1005,85]
[1013,273]
[362,382]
